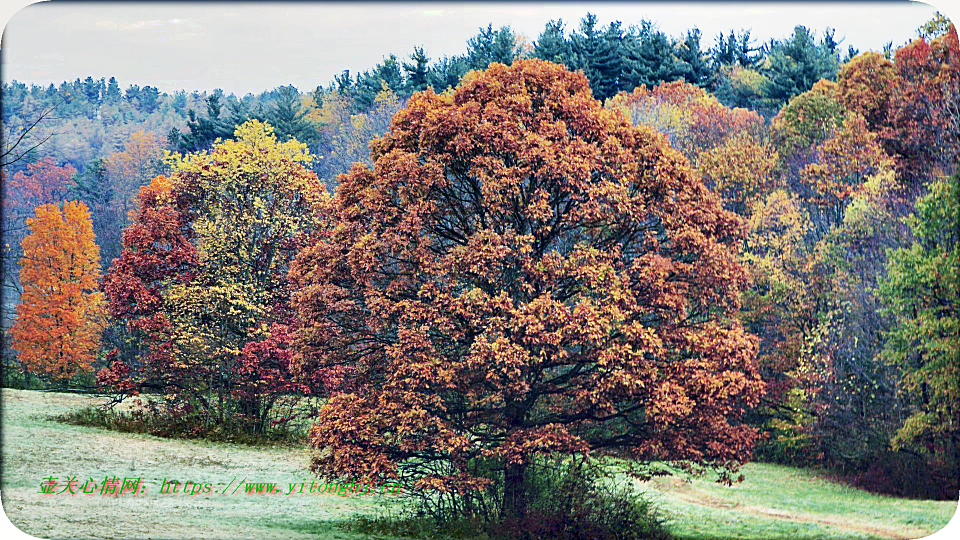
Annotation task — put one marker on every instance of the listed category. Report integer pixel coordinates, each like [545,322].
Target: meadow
[774,502]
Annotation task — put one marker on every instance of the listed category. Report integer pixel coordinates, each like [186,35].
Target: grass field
[773,503]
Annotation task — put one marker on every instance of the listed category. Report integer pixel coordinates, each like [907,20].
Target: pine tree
[552,45]
[418,74]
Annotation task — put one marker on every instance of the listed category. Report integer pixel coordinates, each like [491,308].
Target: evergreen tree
[418,74]
[288,117]
[363,92]
[91,91]
[447,71]
[492,46]
[691,58]
[149,99]
[112,94]
[132,93]
[179,101]
[552,45]
[735,50]
[795,64]
[203,131]
[344,82]
[597,53]
[651,57]
[92,188]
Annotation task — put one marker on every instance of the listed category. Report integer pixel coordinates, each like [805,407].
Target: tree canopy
[523,272]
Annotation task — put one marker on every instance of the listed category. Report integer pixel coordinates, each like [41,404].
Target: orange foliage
[60,315]
[740,170]
[692,118]
[523,272]
[912,102]
[845,159]
[866,85]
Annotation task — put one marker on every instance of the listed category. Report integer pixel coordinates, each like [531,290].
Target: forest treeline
[96,121]
[637,245]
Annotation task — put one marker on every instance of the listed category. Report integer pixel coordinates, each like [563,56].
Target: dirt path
[684,491]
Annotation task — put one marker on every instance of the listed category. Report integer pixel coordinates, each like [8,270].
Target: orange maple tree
[523,273]
[60,315]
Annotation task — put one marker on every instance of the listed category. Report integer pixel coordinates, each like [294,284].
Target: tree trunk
[514,490]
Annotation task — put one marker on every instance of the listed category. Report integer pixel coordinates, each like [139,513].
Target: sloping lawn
[777,502]
[773,503]
[36,447]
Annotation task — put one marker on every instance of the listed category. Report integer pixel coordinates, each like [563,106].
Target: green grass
[776,501]
[773,503]
[35,447]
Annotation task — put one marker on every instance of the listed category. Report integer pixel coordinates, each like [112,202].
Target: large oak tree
[523,272]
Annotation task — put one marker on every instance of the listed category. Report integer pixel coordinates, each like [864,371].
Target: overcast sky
[251,47]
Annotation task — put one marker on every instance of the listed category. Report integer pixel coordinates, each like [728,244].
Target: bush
[568,500]
[904,474]
[178,420]
[13,376]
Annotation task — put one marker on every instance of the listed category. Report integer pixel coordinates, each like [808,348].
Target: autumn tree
[201,281]
[693,119]
[728,147]
[125,172]
[866,85]
[826,152]
[924,117]
[741,170]
[523,273]
[347,135]
[850,393]
[913,102]
[60,315]
[41,182]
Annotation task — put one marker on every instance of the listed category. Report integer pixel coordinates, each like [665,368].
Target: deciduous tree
[202,277]
[60,315]
[523,272]
[922,292]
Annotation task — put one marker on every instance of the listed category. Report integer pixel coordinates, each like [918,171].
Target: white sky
[252,47]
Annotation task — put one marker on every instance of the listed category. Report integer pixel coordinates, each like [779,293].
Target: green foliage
[202,132]
[795,64]
[735,50]
[178,421]
[288,118]
[617,59]
[418,73]
[492,46]
[921,291]
[693,60]
[569,500]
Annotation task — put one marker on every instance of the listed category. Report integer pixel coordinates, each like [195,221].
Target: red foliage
[43,182]
[924,119]
[156,250]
